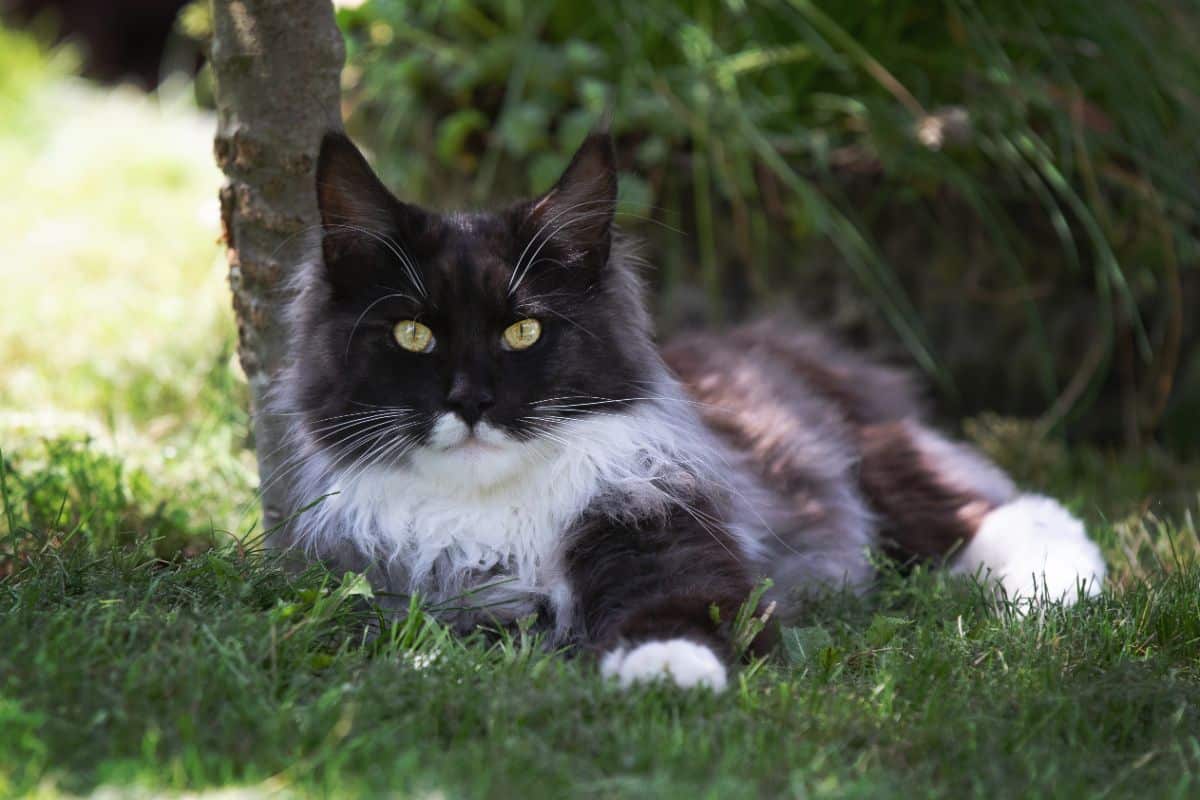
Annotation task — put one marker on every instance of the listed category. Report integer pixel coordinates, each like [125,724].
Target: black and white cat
[480,401]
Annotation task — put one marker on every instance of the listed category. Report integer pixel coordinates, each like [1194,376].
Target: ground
[149,646]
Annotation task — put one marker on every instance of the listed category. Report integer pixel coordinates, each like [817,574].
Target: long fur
[444,526]
[766,451]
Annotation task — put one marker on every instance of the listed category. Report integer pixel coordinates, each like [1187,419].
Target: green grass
[117,324]
[145,651]
[125,670]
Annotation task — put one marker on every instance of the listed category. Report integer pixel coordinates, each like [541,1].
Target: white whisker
[396,249]
[518,274]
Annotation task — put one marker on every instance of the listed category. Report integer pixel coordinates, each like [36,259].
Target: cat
[480,414]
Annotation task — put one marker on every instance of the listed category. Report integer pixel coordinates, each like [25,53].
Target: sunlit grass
[116,321]
[112,271]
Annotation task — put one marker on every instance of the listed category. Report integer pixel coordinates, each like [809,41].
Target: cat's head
[464,336]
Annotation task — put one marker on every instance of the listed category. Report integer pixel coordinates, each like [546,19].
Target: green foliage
[1032,164]
[67,489]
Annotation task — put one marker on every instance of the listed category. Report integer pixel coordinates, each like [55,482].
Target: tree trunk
[277,65]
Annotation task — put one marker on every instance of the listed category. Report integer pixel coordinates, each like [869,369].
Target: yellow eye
[521,335]
[413,336]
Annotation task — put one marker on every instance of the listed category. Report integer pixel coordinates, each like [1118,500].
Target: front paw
[685,663]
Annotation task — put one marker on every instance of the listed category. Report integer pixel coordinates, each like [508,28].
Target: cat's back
[774,366]
[790,404]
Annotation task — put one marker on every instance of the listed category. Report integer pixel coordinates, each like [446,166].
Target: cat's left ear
[578,211]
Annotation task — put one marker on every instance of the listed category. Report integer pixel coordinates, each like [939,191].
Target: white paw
[1036,551]
[683,662]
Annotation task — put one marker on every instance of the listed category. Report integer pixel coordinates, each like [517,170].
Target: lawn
[148,646]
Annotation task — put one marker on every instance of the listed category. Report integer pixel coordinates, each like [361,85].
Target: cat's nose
[469,400]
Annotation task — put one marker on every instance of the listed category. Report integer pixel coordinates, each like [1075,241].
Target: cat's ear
[349,194]
[360,218]
[579,209]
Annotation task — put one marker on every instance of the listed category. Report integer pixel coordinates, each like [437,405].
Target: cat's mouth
[472,443]
[451,435]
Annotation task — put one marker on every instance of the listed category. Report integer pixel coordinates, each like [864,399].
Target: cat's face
[465,337]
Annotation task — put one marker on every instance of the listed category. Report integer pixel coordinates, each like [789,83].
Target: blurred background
[1004,196]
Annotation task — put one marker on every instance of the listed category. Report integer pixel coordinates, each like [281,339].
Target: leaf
[453,131]
[634,194]
[544,171]
[594,95]
[584,57]
[802,646]
[654,150]
[224,570]
[523,128]
[573,127]
[356,584]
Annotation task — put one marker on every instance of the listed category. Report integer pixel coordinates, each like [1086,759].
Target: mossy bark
[276,65]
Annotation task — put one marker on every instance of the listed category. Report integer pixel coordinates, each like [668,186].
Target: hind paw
[1035,550]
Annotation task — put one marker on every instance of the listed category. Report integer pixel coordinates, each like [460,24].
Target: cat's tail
[941,501]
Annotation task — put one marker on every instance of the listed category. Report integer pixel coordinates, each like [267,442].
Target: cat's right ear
[348,191]
[359,216]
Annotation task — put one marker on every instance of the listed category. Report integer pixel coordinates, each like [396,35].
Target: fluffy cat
[479,405]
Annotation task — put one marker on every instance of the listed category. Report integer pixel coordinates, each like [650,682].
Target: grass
[116,323]
[127,671]
[144,651]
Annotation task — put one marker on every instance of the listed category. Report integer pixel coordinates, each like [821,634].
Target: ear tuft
[579,209]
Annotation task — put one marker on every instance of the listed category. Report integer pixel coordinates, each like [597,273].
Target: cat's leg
[655,598]
[940,499]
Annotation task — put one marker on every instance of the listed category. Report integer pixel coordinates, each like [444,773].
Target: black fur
[658,578]
[634,579]
[790,455]
[464,264]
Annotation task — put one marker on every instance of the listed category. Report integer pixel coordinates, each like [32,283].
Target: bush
[1009,188]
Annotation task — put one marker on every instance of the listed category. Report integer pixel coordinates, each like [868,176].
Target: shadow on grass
[128,667]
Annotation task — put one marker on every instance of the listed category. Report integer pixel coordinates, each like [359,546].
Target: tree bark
[276,65]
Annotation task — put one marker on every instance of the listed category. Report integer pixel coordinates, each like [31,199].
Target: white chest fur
[436,511]
[455,517]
